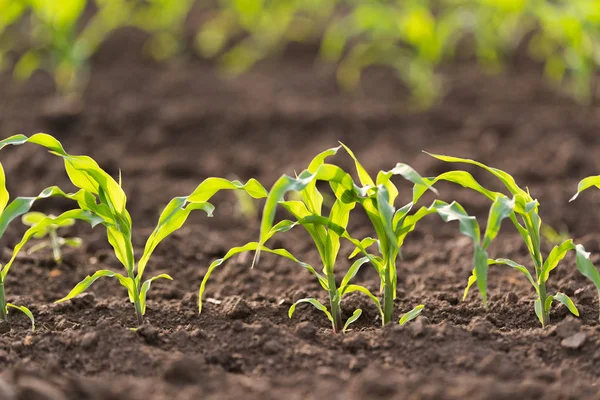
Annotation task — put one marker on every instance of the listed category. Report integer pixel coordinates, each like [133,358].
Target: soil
[169,126]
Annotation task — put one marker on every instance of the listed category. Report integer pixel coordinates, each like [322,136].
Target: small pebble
[574,342]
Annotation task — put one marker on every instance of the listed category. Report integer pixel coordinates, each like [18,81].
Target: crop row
[102,201]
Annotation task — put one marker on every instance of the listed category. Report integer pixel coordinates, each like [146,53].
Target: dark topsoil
[167,127]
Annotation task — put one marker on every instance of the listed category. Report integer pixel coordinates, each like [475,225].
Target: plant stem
[545,313]
[388,295]
[334,301]
[3,313]
[55,246]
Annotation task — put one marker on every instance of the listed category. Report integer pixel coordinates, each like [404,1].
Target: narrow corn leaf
[146,287]
[470,282]
[89,280]
[73,243]
[25,311]
[585,266]
[66,223]
[171,219]
[504,177]
[352,271]
[363,176]
[361,289]
[587,183]
[88,217]
[412,314]
[566,300]
[464,179]
[411,175]
[4,196]
[253,246]
[355,316]
[518,267]
[555,256]
[32,218]
[210,186]
[22,205]
[502,208]
[83,171]
[548,303]
[364,244]
[538,310]
[315,303]
[310,195]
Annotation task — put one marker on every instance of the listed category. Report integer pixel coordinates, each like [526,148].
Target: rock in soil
[235,307]
[575,341]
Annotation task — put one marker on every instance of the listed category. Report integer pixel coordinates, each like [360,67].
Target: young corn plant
[8,212]
[100,196]
[525,217]
[392,226]
[325,231]
[54,241]
[586,268]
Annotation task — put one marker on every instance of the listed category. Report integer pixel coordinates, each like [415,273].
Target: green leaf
[4,196]
[355,316]
[587,183]
[504,177]
[502,208]
[32,218]
[363,176]
[464,179]
[566,300]
[364,244]
[412,314]
[146,287]
[358,288]
[88,281]
[352,271]
[480,257]
[470,282]
[538,310]
[171,219]
[548,303]
[555,256]
[518,267]
[25,311]
[86,216]
[74,242]
[585,266]
[315,303]
[253,246]
[210,186]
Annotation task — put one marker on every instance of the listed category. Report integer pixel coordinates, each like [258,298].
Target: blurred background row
[410,37]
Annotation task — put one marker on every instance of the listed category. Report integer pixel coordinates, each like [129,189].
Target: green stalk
[545,313]
[3,313]
[388,294]
[55,245]
[334,301]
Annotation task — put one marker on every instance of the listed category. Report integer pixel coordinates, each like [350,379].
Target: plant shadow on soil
[167,127]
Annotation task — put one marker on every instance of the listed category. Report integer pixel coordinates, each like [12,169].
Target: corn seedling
[54,241]
[325,231]
[100,196]
[526,219]
[8,212]
[586,268]
[392,226]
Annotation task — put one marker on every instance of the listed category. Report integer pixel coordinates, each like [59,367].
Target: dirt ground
[167,127]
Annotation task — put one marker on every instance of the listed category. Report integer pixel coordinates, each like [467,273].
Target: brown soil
[167,127]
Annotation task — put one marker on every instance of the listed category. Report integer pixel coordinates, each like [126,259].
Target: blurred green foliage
[411,36]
